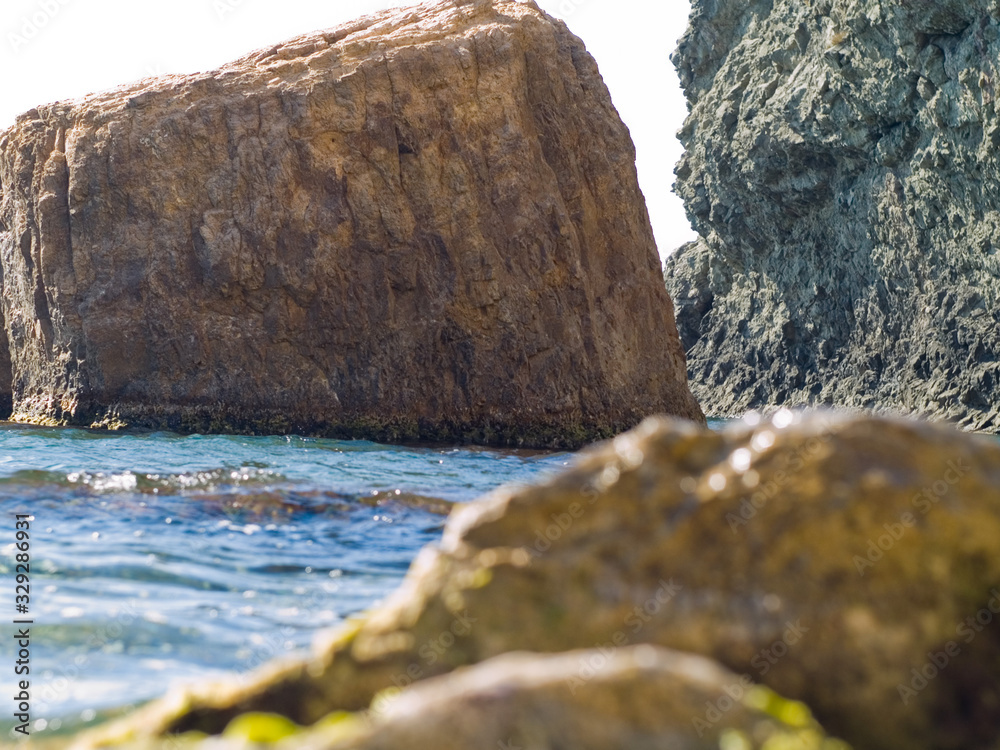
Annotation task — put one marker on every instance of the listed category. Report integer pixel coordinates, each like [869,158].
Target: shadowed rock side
[841,168]
[422,225]
[6,379]
[830,559]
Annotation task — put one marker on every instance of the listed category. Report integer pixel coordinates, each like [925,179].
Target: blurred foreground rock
[639,697]
[851,564]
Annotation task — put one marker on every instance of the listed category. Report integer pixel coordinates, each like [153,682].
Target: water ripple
[159,558]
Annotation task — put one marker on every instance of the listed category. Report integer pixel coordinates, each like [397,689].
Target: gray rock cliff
[841,169]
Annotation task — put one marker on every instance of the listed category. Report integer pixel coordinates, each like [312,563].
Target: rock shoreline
[509,430]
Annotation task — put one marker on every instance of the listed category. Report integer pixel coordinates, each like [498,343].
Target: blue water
[159,559]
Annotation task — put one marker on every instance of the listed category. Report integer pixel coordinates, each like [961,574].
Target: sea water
[159,559]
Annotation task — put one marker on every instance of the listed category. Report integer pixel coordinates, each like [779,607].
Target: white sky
[59,49]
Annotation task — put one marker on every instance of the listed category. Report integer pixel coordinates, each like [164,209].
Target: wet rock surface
[840,169]
[847,563]
[422,225]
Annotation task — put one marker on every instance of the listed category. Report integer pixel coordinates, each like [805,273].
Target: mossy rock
[836,560]
[641,698]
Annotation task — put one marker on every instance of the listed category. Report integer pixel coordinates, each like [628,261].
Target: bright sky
[60,49]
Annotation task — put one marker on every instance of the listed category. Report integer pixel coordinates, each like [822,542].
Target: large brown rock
[425,224]
[848,563]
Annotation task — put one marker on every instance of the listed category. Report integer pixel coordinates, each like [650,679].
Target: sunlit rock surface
[425,224]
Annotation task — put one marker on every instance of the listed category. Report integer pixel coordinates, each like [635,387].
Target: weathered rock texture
[841,168]
[425,224]
[831,559]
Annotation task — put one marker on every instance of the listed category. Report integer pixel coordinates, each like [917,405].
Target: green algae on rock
[423,225]
[826,557]
[841,170]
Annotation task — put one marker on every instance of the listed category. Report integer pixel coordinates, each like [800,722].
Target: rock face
[841,169]
[422,225]
[850,564]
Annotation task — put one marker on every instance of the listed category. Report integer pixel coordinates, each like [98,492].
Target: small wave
[102,483]
[212,479]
